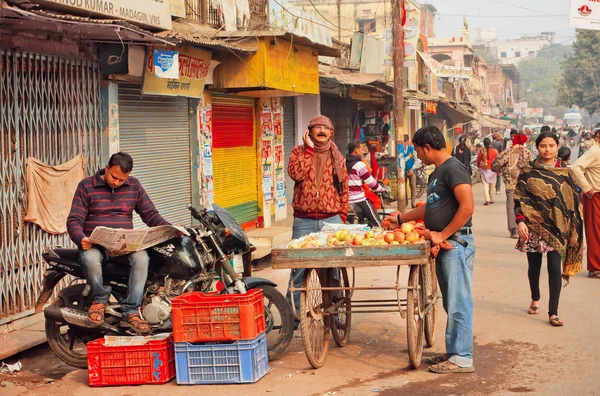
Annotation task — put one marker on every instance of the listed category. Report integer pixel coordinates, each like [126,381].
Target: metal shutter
[289,141]
[235,162]
[339,110]
[155,131]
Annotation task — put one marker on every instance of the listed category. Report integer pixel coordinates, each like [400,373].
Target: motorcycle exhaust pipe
[76,318]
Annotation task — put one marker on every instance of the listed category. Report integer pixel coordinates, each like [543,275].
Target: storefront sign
[166,64]
[584,14]
[414,105]
[485,109]
[431,107]
[193,69]
[178,8]
[150,14]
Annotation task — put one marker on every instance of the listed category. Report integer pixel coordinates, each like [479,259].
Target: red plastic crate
[151,363]
[199,317]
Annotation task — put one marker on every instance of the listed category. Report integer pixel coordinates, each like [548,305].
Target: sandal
[594,274]
[449,368]
[438,359]
[96,313]
[533,310]
[555,321]
[135,323]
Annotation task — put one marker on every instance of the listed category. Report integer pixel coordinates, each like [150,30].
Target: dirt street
[514,352]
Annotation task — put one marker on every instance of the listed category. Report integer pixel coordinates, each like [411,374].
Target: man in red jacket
[108,199]
[321,185]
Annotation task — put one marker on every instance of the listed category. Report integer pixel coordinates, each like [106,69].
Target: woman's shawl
[548,200]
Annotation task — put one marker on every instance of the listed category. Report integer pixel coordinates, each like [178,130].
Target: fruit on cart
[411,237]
[386,225]
[407,227]
[399,236]
[388,237]
[358,240]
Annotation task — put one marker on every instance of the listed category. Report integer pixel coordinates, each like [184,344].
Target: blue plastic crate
[243,361]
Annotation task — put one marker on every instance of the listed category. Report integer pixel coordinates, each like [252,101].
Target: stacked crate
[219,338]
[131,360]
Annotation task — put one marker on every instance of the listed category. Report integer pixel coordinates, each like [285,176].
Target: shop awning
[491,122]
[89,29]
[456,115]
[323,49]
[348,78]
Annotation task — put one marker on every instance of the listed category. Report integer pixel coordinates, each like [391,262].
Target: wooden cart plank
[351,256]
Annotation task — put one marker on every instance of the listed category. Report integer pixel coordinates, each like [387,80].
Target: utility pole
[339,10]
[398,60]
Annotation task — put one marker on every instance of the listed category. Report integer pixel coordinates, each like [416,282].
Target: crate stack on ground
[219,338]
[131,360]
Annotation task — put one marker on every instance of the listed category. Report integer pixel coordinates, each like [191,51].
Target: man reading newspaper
[108,199]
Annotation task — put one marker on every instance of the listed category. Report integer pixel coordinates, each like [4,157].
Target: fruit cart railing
[326,294]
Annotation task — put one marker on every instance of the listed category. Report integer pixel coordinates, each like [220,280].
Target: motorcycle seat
[69,254]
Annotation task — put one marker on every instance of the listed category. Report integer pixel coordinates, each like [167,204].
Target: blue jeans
[92,268]
[301,228]
[454,269]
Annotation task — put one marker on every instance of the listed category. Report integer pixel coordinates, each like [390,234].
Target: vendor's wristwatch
[398,219]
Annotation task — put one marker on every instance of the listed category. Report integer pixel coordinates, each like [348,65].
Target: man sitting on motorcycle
[357,175]
[108,199]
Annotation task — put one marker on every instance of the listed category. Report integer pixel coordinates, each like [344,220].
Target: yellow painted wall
[278,64]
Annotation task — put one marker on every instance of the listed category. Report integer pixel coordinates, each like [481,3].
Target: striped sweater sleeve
[78,214]
[366,177]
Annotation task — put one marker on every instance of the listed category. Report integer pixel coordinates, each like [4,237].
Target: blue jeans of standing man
[454,269]
[92,268]
[303,227]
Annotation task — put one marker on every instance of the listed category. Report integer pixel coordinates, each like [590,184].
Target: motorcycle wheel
[279,321]
[68,343]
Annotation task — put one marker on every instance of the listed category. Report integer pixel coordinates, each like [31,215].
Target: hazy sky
[510,18]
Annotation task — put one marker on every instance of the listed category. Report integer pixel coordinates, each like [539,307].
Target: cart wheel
[314,322]
[341,319]
[414,323]
[431,290]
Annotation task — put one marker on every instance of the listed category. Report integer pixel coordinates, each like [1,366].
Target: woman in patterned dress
[549,218]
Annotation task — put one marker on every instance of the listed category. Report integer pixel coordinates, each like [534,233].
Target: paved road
[514,352]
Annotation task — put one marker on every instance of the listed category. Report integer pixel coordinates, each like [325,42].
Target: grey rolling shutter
[289,141]
[155,131]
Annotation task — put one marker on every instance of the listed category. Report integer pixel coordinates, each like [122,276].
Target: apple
[309,244]
[407,227]
[369,235]
[347,237]
[389,237]
[357,240]
[411,236]
[394,243]
[399,237]
[382,243]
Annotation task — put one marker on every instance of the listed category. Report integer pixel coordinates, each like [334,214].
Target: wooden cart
[327,293]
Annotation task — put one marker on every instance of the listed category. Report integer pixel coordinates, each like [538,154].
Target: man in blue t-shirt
[447,214]
[410,169]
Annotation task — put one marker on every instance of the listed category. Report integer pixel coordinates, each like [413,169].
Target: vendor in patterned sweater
[357,175]
[108,199]
[321,185]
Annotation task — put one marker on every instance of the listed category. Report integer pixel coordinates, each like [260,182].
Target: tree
[580,84]
[539,78]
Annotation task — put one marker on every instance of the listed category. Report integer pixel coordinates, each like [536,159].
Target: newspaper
[119,241]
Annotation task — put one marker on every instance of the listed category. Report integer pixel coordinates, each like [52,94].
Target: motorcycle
[177,266]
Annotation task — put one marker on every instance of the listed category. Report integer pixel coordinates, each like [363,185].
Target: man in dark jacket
[108,199]
[463,153]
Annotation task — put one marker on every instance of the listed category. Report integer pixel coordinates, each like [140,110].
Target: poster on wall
[277,128]
[267,188]
[280,188]
[280,209]
[279,156]
[266,123]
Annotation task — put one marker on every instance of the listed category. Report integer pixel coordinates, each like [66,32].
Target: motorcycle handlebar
[195,213]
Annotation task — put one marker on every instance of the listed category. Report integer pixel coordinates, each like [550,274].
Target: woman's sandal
[135,323]
[533,310]
[96,313]
[555,321]
[449,368]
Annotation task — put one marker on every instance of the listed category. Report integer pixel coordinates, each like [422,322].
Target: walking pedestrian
[548,214]
[509,163]
[357,175]
[463,153]
[410,168]
[497,143]
[320,189]
[586,172]
[447,214]
[486,156]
